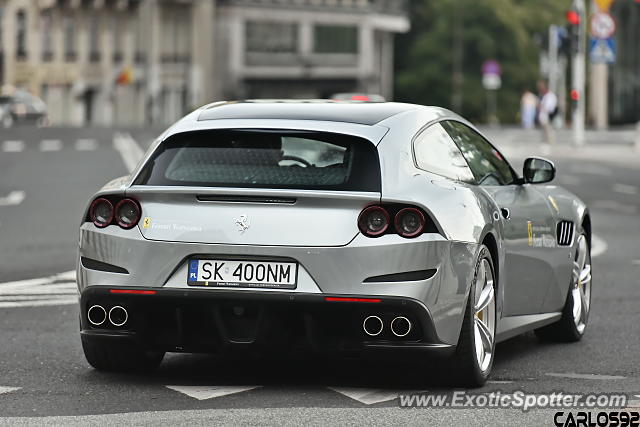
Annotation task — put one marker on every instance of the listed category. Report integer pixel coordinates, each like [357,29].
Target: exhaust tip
[96,315]
[401,326]
[372,326]
[118,315]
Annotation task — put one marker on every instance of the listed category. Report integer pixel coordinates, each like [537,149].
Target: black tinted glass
[264,159]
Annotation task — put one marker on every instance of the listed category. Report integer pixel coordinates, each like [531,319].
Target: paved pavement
[43,189]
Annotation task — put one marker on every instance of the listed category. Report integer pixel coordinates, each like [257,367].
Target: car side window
[436,152]
[486,163]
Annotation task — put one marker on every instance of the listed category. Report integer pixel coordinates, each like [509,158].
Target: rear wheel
[473,359]
[105,356]
[575,314]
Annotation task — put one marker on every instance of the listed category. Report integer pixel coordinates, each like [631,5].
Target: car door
[527,221]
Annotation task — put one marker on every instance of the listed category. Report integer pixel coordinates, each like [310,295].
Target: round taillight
[373,221]
[101,212]
[409,222]
[127,213]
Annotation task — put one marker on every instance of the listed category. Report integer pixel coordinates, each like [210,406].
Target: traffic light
[573,29]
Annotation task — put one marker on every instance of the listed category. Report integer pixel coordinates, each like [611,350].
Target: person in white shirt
[528,109]
[548,110]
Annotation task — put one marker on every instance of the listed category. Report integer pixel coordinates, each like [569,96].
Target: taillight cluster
[408,221]
[126,213]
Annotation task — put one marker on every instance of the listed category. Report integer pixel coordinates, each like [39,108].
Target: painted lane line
[86,144]
[592,170]
[67,275]
[4,389]
[499,382]
[569,180]
[636,262]
[614,206]
[585,376]
[49,145]
[129,150]
[44,303]
[625,189]
[369,396]
[12,146]
[209,392]
[58,289]
[598,246]
[14,198]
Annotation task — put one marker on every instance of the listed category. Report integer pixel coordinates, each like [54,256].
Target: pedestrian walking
[528,109]
[547,111]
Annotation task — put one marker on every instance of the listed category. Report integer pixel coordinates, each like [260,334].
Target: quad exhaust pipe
[372,326]
[400,326]
[97,315]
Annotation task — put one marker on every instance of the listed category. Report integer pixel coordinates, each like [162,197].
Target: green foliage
[509,31]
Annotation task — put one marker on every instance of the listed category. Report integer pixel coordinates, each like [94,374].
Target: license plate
[234,273]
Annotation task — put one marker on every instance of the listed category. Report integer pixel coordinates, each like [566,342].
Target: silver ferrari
[333,228]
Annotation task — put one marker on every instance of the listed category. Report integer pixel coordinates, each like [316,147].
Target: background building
[306,48]
[109,62]
[624,75]
[135,62]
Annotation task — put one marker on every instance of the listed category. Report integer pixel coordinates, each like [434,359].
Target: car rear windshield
[264,159]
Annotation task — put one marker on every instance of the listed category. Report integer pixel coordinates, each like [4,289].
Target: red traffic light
[575,95]
[573,17]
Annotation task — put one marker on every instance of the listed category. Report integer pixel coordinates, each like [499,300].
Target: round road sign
[603,25]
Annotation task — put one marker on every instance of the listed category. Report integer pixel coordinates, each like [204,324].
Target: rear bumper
[258,323]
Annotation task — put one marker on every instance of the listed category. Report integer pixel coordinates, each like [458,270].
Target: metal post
[579,75]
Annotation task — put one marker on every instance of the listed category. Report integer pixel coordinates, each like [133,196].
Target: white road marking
[12,199]
[625,189]
[129,150]
[569,180]
[598,246]
[12,146]
[369,396]
[86,144]
[586,376]
[4,389]
[59,289]
[49,145]
[614,206]
[209,392]
[499,382]
[592,170]
[636,262]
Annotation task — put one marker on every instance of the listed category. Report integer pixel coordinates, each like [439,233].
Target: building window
[47,36]
[271,37]
[176,38]
[69,38]
[21,34]
[94,38]
[335,39]
[116,33]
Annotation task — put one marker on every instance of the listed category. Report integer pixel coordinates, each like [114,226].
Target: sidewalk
[625,135]
[615,146]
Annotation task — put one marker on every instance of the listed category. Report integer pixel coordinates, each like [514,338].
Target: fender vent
[564,233]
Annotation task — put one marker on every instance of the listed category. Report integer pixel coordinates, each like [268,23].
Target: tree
[509,31]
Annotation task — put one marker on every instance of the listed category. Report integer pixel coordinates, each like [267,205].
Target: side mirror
[537,170]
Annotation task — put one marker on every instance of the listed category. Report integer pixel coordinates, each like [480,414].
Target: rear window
[264,159]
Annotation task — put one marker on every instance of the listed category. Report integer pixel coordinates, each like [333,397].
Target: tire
[571,328]
[465,364]
[105,356]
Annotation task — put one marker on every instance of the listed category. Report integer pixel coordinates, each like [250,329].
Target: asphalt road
[43,189]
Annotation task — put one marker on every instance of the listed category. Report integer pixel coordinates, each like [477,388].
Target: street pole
[579,76]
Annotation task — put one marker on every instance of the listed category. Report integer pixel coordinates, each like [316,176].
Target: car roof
[364,113]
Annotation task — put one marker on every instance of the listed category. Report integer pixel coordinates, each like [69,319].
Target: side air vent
[564,233]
